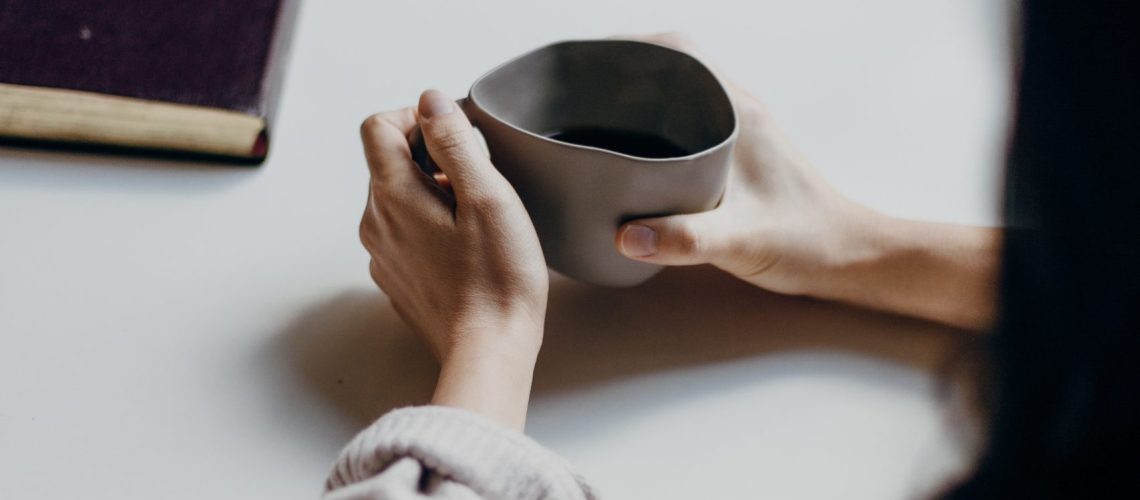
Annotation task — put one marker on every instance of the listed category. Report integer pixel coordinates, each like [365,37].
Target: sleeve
[434,452]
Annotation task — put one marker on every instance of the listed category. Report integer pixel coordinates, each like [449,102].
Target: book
[158,76]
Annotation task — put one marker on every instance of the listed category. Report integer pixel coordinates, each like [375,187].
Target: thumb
[452,144]
[676,240]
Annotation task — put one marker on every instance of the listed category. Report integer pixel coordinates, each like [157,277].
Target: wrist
[830,259]
[513,338]
[489,371]
[487,383]
[863,238]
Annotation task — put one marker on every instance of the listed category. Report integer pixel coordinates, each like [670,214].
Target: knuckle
[369,236]
[486,200]
[687,240]
[451,140]
[372,124]
[374,272]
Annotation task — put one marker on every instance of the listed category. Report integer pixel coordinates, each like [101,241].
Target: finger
[384,136]
[443,182]
[452,144]
[676,240]
[394,174]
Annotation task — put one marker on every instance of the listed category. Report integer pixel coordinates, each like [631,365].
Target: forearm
[940,272]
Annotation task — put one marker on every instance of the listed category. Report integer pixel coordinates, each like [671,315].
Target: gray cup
[576,195]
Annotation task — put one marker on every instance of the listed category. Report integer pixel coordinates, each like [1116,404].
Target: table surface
[177,330]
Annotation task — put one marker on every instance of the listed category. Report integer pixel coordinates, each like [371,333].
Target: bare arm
[941,272]
[782,227]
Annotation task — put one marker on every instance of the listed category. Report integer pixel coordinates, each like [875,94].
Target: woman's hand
[457,256]
[779,223]
[782,227]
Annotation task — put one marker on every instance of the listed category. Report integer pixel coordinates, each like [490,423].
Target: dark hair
[1064,360]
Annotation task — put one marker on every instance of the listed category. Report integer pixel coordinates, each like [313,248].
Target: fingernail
[435,103]
[638,241]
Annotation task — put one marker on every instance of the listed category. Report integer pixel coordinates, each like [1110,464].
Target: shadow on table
[356,353]
[117,170]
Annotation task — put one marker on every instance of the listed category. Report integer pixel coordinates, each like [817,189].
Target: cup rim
[699,154]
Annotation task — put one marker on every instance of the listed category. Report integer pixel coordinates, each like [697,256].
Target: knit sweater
[446,453]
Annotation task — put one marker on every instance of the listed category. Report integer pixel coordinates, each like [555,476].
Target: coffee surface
[622,141]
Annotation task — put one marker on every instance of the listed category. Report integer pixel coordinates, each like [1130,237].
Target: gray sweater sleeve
[447,453]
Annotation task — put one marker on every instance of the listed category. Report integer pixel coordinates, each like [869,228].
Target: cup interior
[614,85]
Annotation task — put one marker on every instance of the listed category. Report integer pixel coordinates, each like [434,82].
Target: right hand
[780,226]
[457,256]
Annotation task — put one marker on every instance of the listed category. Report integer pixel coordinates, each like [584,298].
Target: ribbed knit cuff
[493,460]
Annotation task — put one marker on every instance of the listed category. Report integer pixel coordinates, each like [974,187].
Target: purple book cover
[224,54]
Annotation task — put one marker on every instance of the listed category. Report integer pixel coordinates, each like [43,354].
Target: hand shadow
[356,353]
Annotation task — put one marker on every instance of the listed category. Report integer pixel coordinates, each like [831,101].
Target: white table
[189,331]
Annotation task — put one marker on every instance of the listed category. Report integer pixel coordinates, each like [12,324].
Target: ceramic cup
[576,195]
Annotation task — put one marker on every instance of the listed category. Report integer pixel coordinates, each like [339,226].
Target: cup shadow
[355,353]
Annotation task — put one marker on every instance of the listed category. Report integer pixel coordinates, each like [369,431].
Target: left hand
[457,256]
[783,228]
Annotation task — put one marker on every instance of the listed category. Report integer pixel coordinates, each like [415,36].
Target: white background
[173,330]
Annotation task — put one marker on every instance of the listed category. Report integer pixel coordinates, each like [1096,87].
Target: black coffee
[622,141]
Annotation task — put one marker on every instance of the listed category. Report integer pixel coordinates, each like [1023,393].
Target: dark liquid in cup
[621,141]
